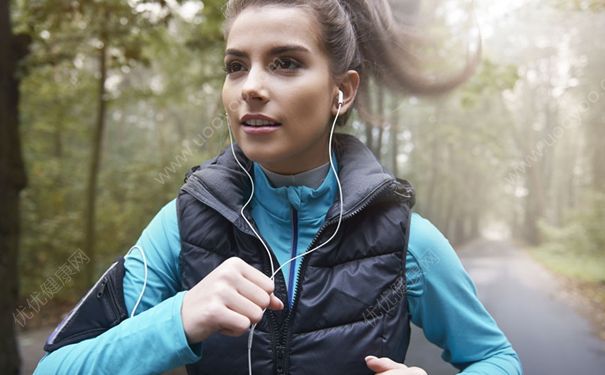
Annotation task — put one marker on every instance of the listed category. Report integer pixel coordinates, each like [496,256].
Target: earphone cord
[273,271]
[136,247]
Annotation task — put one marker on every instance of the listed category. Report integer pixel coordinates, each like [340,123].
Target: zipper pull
[102,290]
[403,190]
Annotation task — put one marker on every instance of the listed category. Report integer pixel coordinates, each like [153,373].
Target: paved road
[30,344]
[526,301]
[551,337]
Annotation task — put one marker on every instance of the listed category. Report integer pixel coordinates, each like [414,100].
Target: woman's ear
[348,85]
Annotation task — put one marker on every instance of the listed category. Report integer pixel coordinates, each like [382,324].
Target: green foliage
[489,79]
[162,94]
[577,266]
[577,248]
[583,232]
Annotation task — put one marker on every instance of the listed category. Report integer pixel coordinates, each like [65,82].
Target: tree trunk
[94,166]
[394,134]
[12,181]
[369,135]
[449,195]
[596,136]
[534,206]
[534,149]
[476,206]
[432,208]
[381,122]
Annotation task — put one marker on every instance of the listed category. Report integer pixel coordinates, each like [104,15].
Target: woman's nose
[254,87]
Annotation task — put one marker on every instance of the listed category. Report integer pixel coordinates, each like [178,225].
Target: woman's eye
[281,63]
[232,67]
[285,64]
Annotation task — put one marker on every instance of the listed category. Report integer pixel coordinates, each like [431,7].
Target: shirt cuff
[188,353]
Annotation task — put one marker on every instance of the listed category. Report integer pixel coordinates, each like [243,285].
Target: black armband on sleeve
[102,308]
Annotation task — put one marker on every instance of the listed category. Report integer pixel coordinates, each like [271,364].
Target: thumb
[382,364]
[276,303]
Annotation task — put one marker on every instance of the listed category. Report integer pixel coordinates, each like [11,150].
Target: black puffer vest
[350,298]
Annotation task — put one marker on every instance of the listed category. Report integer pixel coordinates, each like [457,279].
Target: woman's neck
[311,178]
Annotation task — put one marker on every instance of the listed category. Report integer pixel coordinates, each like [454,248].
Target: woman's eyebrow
[272,51]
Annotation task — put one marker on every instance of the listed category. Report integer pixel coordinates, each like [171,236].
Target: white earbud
[341,97]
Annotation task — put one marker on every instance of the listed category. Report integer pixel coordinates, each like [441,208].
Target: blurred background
[106,104]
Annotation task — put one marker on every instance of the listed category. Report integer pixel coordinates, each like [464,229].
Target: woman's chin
[260,154]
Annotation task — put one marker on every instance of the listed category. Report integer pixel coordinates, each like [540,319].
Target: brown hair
[363,35]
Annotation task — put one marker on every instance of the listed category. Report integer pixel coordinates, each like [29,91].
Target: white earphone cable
[134,309]
[273,271]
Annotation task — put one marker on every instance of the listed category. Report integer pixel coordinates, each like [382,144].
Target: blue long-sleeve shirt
[441,297]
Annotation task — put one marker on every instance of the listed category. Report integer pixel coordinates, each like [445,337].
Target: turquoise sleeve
[439,291]
[443,301]
[151,342]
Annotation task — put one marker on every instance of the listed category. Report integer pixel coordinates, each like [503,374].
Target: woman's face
[276,68]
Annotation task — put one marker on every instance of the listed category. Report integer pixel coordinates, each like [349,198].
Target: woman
[355,264]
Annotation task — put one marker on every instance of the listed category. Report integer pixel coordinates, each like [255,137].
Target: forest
[106,104]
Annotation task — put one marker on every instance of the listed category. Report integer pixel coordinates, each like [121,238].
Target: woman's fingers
[229,299]
[276,303]
[256,276]
[233,323]
[386,366]
[262,281]
[383,364]
[242,305]
[258,295]
[253,292]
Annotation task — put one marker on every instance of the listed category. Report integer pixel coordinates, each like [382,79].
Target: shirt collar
[310,203]
[311,178]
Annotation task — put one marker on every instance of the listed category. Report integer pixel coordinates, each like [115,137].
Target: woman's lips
[260,130]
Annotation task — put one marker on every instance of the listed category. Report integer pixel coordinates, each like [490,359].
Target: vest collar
[222,185]
[309,203]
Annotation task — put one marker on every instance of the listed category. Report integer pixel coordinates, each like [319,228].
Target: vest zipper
[281,343]
[284,341]
[278,350]
[293,253]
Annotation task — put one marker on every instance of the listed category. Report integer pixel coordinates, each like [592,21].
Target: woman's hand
[386,366]
[231,298]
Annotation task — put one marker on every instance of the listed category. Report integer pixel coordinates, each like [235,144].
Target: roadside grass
[583,267]
[584,275]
